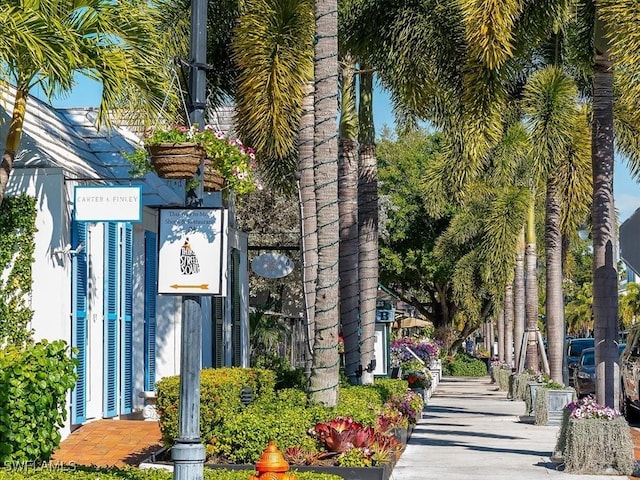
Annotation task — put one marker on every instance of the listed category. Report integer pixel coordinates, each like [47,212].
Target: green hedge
[220,390]
[59,472]
[34,381]
[464,365]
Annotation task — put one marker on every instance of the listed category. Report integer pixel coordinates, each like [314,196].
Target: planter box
[596,446]
[550,403]
[530,397]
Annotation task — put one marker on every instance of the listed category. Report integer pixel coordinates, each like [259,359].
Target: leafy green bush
[220,390]
[390,387]
[286,375]
[246,435]
[360,402]
[91,473]
[35,380]
[464,365]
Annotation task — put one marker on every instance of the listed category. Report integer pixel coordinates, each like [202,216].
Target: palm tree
[324,374]
[348,194]
[49,41]
[367,222]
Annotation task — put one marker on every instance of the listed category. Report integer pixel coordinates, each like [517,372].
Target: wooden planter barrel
[176,161]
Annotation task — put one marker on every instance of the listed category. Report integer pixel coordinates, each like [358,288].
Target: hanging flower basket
[176,161]
[213,181]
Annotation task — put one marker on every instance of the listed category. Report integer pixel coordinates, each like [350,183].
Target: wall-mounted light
[68,251]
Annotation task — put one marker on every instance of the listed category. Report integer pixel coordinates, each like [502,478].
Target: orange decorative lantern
[272,465]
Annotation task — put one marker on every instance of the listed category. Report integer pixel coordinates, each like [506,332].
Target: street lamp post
[188,453]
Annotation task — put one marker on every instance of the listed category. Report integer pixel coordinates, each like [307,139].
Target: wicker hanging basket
[176,161]
[213,181]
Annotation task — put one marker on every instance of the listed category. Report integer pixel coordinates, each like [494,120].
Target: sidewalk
[469,430]
[107,443]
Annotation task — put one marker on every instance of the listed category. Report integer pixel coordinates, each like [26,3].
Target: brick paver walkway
[110,443]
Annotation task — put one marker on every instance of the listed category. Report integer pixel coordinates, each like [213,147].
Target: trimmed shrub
[390,387]
[220,390]
[360,402]
[34,383]
[90,473]
[464,365]
[246,435]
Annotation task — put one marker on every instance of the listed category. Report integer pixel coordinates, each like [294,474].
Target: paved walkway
[107,443]
[471,431]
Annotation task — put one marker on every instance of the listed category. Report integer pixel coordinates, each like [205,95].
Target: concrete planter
[550,403]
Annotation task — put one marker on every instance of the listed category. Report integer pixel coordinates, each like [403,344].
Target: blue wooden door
[79,322]
[111,303]
[150,292]
[126,404]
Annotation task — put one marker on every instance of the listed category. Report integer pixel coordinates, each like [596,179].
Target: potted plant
[176,153]
[595,439]
[550,400]
[171,152]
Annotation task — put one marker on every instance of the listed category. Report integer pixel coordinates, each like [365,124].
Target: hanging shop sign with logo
[107,204]
[193,247]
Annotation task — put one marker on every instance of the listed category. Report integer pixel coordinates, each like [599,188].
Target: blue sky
[626,190]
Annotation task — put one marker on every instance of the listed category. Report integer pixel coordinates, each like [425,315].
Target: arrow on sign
[204,286]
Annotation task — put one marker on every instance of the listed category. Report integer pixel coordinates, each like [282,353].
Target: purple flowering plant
[426,350]
[587,408]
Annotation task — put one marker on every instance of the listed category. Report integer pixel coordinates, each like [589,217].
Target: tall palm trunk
[519,302]
[554,292]
[323,384]
[508,324]
[500,327]
[605,291]
[367,224]
[13,138]
[531,289]
[308,223]
[348,206]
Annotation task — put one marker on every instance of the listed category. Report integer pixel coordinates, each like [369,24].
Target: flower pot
[550,403]
[213,181]
[176,161]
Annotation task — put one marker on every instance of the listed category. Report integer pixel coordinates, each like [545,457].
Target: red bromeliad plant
[342,434]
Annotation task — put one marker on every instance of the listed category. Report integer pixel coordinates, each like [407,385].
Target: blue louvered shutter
[150,292]
[79,322]
[236,325]
[110,406]
[127,308]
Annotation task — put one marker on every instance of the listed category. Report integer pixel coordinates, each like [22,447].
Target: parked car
[574,349]
[584,380]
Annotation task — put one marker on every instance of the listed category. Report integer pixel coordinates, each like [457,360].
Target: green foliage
[353,458]
[360,402]
[130,473]
[35,380]
[245,435]
[464,365]
[220,390]
[286,375]
[390,387]
[17,233]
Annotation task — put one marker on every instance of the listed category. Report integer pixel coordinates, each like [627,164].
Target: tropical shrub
[35,380]
[220,390]
[47,472]
[464,365]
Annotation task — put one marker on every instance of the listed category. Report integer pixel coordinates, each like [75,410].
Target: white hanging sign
[193,246]
[107,203]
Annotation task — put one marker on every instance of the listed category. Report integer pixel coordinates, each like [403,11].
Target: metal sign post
[188,453]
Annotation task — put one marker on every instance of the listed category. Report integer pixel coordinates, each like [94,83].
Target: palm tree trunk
[519,302]
[308,223]
[554,291]
[13,138]
[367,225]
[605,274]
[531,290]
[348,206]
[500,322]
[508,325]
[323,384]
